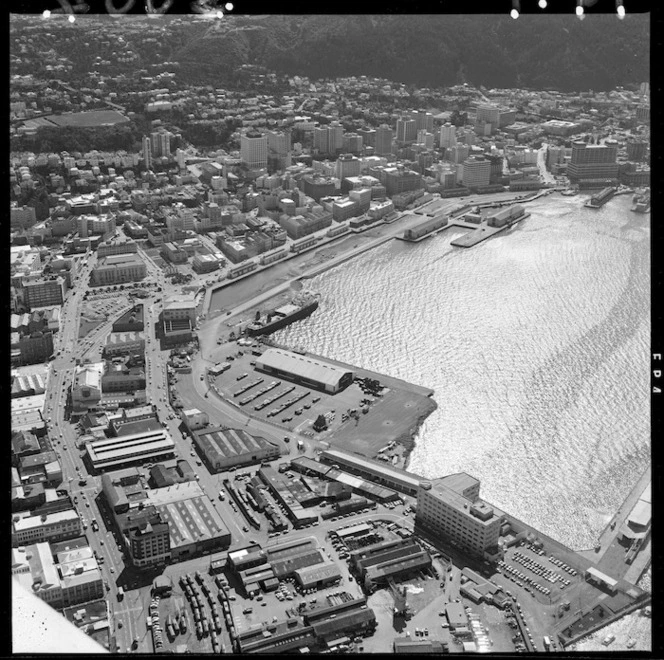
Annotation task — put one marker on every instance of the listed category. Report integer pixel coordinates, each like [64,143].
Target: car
[112,570]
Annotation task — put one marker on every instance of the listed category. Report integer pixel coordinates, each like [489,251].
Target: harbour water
[536,343]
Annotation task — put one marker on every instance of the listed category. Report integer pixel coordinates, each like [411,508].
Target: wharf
[388,381]
[611,557]
[483,232]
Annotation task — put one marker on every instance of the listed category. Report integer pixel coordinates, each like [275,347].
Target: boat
[641,204]
[609,639]
[299,308]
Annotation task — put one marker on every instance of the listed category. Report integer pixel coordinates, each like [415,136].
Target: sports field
[88,119]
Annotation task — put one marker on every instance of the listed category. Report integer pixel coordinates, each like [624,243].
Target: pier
[480,231]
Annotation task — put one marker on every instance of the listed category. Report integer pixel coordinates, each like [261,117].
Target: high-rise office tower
[384,139]
[425,138]
[253,149]
[423,121]
[336,137]
[593,161]
[368,136]
[637,149]
[147,153]
[279,148]
[352,143]
[321,140]
[476,172]
[406,130]
[447,136]
[180,157]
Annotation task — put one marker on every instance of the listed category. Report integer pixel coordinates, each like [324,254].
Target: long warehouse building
[305,370]
[375,471]
[111,453]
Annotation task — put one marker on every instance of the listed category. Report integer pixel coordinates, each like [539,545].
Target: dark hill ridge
[540,52]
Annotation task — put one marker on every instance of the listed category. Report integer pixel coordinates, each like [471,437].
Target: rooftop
[190,514]
[374,467]
[305,367]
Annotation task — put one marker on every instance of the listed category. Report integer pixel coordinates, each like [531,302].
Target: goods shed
[305,370]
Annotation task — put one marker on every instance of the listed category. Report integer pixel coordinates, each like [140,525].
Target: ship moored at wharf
[299,308]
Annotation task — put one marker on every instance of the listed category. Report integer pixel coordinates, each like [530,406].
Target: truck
[120,593]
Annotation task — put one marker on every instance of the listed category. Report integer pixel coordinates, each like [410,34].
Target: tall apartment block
[384,140]
[254,149]
[406,130]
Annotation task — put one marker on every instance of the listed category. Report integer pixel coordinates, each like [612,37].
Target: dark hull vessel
[277,320]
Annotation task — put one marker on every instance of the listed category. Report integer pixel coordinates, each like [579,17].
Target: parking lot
[295,407]
[538,573]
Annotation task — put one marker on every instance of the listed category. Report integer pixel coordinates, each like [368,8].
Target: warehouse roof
[303,366]
[114,451]
[310,575]
[224,443]
[189,512]
[372,467]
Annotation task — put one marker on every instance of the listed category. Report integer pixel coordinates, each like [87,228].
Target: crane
[400,599]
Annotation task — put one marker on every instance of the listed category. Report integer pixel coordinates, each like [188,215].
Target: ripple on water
[536,343]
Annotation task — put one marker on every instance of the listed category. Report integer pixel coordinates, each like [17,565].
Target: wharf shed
[375,471]
[425,227]
[308,466]
[305,370]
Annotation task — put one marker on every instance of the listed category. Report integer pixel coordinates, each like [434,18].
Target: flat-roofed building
[56,526]
[451,507]
[80,576]
[173,253]
[146,536]
[179,307]
[34,568]
[111,453]
[206,263]
[417,646]
[224,448]
[194,419]
[305,370]
[118,269]
[375,471]
[44,291]
[118,246]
